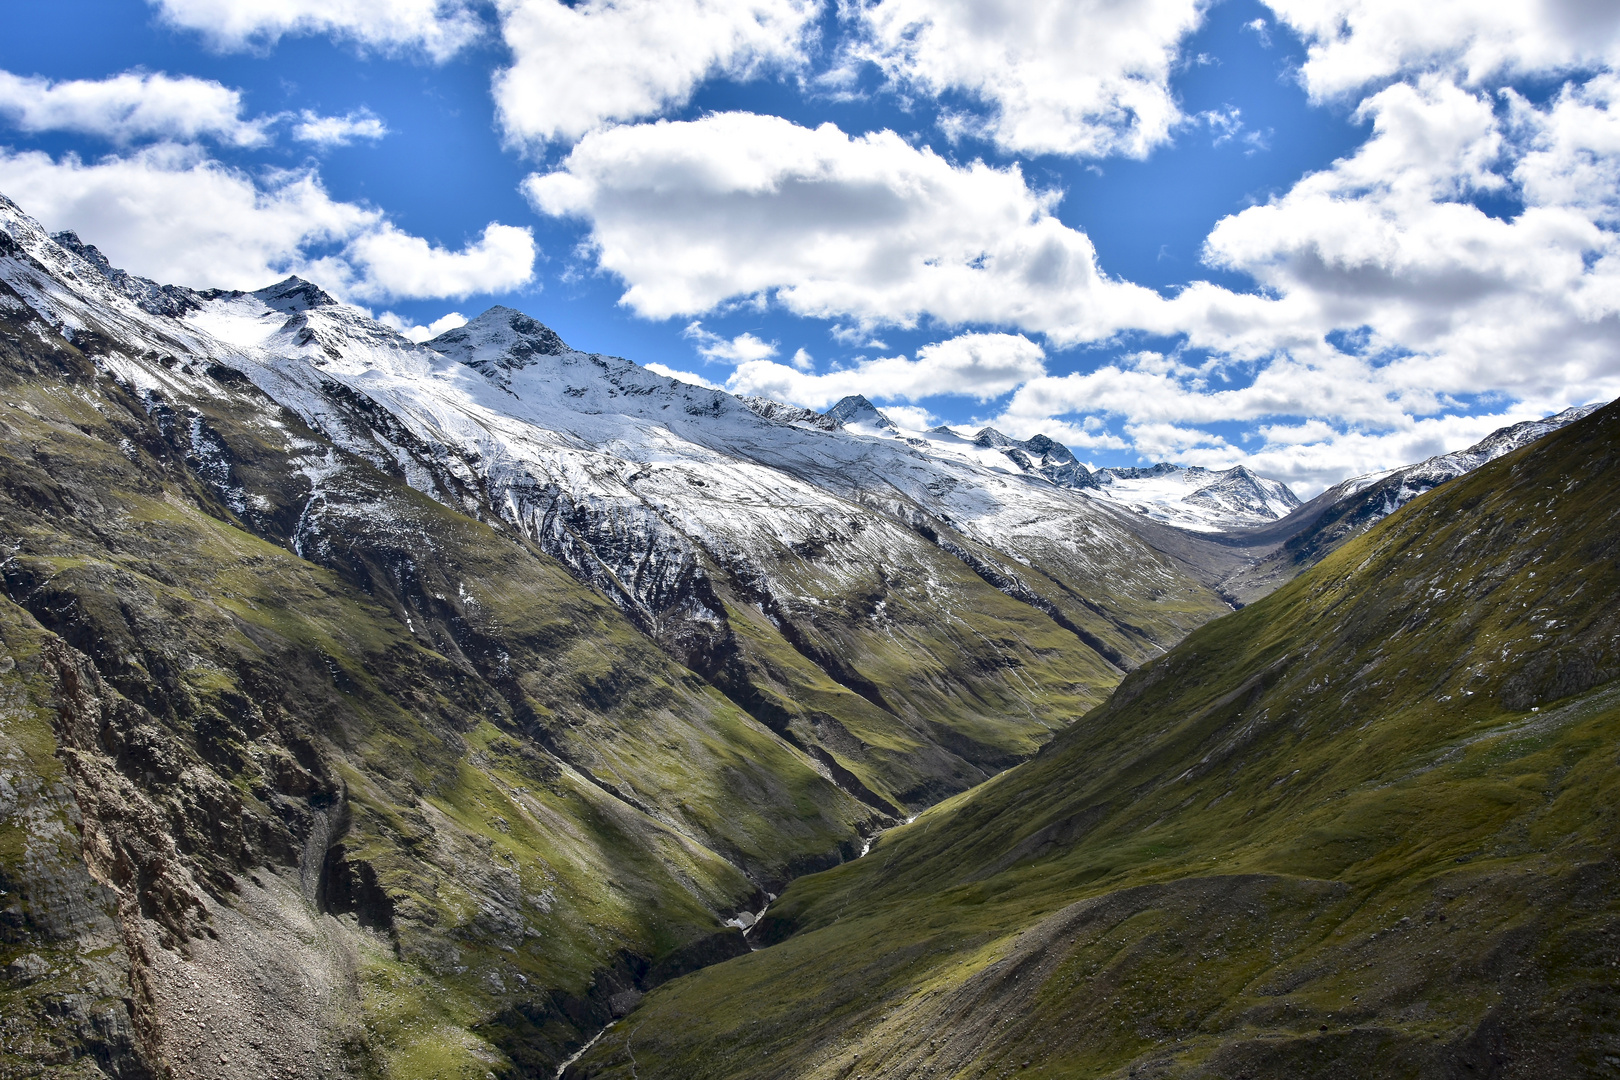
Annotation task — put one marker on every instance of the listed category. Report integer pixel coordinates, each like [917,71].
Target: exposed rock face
[171,300]
[307,774]
[789,414]
[70,998]
[1040,455]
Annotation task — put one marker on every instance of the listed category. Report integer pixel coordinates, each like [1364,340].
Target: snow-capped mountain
[817,568]
[471,643]
[1353,506]
[1397,487]
[1197,498]
[1194,499]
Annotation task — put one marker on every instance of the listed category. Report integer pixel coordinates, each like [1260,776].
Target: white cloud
[1354,43]
[134,105]
[386,261]
[1226,125]
[802,360]
[1573,154]
[911,417]
[743,347]
[981,366]
[1314,459]
[1439,302]
[1080,77]
[1454,301]
[170,213]
[684,376]
[1160,417]
[1158,441]
[437,28]
[420,334]
[578,66]
[737,205]
[339,130]
[1442,303]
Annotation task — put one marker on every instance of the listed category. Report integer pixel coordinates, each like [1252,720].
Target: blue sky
[1318,238]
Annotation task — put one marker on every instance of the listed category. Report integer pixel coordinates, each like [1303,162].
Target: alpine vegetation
[484,705]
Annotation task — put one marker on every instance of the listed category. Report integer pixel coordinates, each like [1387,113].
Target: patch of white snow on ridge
[1414,480]
[1196,498]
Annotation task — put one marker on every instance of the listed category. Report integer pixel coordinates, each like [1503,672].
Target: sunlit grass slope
[1365,827]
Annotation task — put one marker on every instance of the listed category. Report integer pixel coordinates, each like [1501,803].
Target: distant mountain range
[382,709]
[1188,498]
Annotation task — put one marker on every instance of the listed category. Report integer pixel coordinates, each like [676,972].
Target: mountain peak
[500,338]
[294,294]
[1051,451]
[856,409]
[1195,497]
[172,300]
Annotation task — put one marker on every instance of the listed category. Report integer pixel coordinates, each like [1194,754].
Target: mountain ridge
[1352,506]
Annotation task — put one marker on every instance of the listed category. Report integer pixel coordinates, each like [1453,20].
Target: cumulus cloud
[981,366]
[743,347]
[684,376]
[578,66]
[1354,43]
[1444,309]
[134,105]
[171,213]
[1453,300]
[1082,77]
[692,214]
[339,130]
[1386,294]
[437,28]
[419,334]
[1338,432]
[1572,154]
[911,417]
[385,261]
[1312,460]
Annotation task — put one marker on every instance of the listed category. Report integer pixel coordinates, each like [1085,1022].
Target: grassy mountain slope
[414,803]
[313,761]
[1366,826]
